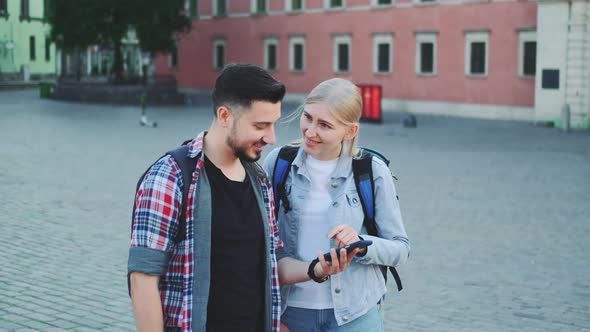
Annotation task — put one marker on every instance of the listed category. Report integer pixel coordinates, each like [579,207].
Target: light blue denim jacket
[361,285]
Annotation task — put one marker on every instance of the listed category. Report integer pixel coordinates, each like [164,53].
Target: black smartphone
[349,247]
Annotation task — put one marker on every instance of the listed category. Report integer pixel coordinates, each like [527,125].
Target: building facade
[25,48]
[564,62]
[462,57]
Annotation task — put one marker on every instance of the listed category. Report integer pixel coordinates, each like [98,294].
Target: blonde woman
[325,212]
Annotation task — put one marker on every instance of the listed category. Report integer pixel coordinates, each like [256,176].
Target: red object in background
[371,95]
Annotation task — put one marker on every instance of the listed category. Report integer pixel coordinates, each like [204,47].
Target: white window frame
[472,37]
[289,6]
[187,8]
[215,13]
[338,40]
[254,3]
[219,42]
[292,41]
[382,38]
[524,36]
[426,37]
[271,41]
[327,5]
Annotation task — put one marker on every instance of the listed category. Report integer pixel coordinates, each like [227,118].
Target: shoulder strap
[187,166]
[280,172]
[362,170]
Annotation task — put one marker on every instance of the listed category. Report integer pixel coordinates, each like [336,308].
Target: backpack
[363,179]
[187,166]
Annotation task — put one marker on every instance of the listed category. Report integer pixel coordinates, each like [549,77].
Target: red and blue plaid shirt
[158,206]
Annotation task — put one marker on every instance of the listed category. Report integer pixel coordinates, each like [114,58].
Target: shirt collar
[196,145]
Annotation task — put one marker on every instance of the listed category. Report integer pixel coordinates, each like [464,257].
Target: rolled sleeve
[147,260]
[158,207]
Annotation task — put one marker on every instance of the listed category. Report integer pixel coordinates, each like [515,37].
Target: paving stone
[496,212]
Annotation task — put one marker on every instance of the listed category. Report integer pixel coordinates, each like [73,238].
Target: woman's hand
[343,234]
[325,268]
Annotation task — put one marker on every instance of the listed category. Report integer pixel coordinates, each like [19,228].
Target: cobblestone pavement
[497,213]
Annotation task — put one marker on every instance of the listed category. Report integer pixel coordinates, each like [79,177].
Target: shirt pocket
[354,210]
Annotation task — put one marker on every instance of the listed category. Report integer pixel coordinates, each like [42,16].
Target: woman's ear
[351,132]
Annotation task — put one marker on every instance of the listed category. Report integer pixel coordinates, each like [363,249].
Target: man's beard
[240,151]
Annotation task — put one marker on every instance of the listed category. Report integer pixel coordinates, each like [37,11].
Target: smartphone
[349,247]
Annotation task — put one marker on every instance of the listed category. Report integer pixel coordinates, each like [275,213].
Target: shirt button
[335,204]
[334,184]
[337,290]
[345,318]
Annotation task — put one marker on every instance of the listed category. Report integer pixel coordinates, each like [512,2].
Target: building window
[219,54]
[476,53]
[426,53]
[24,8]
[527,53]
[259,6]
[3,7]
[47,49]
[173,58]
[219,7]
[342,53]
[382,53]
[270,53]
[193,8]
[295,5]
[297,54]
[382,2]
[334,3]
[45,8]
[32,55]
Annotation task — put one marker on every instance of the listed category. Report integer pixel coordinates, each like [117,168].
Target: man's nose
[270,137]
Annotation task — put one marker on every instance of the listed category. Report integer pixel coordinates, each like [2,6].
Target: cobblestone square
[498,215]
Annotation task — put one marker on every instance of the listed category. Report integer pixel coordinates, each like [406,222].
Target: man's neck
[222,156]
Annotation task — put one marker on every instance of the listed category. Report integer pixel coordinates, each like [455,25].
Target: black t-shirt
[236,296]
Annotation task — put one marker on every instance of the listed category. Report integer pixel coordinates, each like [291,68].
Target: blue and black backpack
[362,171]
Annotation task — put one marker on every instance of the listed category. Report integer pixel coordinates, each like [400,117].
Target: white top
[313,229]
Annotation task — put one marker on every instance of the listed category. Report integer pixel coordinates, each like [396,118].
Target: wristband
[312,275]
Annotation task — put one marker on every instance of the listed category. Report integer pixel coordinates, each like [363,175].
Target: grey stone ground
[497,213]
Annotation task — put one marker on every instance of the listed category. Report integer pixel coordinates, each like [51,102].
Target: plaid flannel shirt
[158,206]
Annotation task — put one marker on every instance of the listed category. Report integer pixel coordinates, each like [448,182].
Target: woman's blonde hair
[344,102]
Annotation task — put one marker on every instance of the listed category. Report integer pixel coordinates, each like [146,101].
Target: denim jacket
[360,287]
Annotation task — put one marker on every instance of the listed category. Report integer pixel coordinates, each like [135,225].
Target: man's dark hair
[241,84]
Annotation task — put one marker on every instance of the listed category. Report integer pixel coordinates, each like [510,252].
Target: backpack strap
[362,170]
[280,173]
[187,167]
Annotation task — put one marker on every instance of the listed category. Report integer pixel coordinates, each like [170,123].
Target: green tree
[78,24]
[158,22]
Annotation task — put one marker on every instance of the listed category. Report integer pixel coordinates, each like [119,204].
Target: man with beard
[221,274]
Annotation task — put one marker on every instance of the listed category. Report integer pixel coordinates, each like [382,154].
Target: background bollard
[565,117]
[409,121]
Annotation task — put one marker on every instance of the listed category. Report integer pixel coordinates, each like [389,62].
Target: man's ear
[351,132]
[224,116]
